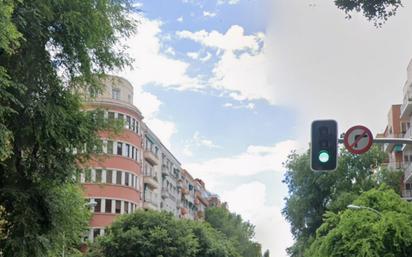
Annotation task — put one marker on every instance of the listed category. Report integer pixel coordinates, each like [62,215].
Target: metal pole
[404,141]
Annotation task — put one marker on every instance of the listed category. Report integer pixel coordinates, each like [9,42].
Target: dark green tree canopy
[364,232]
[48,47]
[377,11]
[150,233]
[311,194]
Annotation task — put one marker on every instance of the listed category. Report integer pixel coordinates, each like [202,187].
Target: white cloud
[325,66]
[193,55]
[250,106]
[180,19]
[151,65]
[163,129]
[233,39]
[196,56]
[198,141]
[272,230]
[254,160]
[209,14]
[228,1]
[241,69]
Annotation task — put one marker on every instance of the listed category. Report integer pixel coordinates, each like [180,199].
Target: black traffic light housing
[324,145]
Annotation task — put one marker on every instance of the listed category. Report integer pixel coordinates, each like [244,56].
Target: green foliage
[3,223]
[311,194]
[238,231]
[266,254]
[365,233]
[48,48]
[377,11]
[149,233]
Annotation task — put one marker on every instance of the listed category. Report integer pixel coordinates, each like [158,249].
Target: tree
[47,50]
[266,254]
[238,231]
[377,11]
[363,232]
[150,233]
[311,194]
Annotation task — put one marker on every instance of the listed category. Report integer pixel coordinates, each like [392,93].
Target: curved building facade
[113,180]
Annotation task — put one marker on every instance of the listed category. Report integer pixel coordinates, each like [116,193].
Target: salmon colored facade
[135,170]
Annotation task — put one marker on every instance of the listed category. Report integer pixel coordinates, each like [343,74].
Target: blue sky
[231,86]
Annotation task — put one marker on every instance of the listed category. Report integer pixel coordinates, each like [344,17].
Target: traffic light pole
[404,141]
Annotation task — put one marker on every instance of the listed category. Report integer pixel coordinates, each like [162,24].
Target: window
[119,148]
[129,98]
[128,122]
[118,206]
[134,125]
[96,233]
[88,176]
[118,177]
[126,178]
[116,93]
[109,176]
[110,147]
[98,176]
[133,153]
[108,208]
[126,207]
[128,150]
[120,116]
[98,206]
[110,115]
[132,180]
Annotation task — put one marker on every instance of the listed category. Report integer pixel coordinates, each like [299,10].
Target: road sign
[358,139]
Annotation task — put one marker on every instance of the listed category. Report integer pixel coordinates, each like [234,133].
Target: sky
[231,87]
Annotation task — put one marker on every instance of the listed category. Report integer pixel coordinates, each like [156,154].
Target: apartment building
[396,128]
[406,114]
[135,170]
[113,180]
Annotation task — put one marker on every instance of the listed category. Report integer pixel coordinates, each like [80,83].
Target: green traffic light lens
[323,156]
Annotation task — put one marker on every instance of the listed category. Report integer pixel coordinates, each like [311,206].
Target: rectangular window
[129,98]
[126,179]
[134,125]
[126,207]
[128,122]
[87,176]
[116,93]
[98,176]
[110,115]
[128,150]
[108,206]
[98,206]
[118,206]
[109,176]
[110,147]
[119,148]
[120,116]
[96,233]
[133,153]
[137,127]
[118,177]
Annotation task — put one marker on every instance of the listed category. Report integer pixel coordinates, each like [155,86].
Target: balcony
[151,158]
[406,108]
[408,173]
[200,215]
[389,147]
[150,180]
[408,135]
[165,171]
[184,211]
[148,205]
[185,191]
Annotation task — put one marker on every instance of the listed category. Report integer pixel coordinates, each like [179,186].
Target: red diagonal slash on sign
[359,138]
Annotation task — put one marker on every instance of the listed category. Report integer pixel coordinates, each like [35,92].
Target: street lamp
[357,207]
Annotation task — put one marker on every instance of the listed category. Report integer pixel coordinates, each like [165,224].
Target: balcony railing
[151,157]
[408,172]
[406,107]
[150,179]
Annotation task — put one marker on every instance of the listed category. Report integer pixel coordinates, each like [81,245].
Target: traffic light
[324,145]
